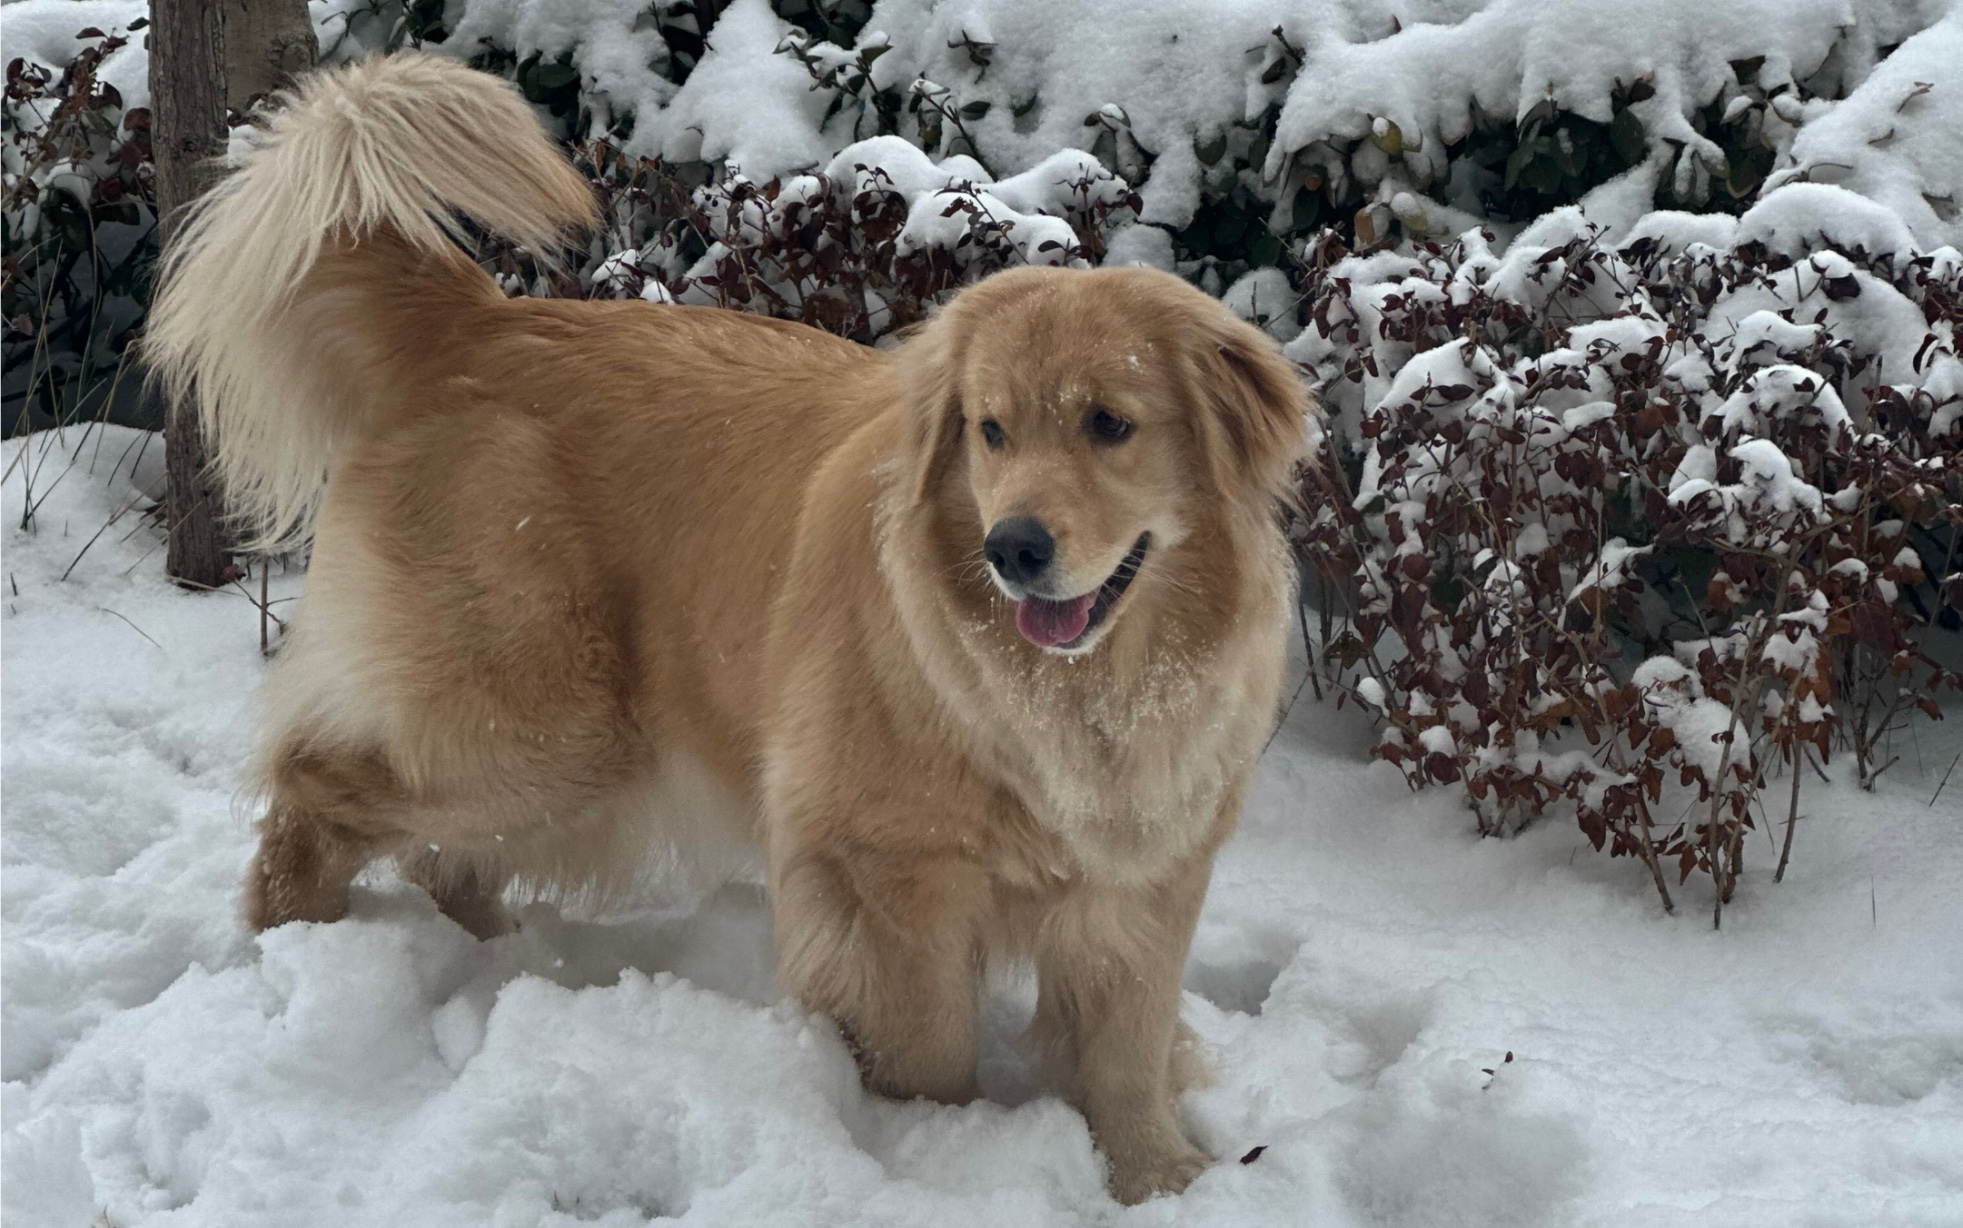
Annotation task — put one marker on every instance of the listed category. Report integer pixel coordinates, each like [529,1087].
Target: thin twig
[1868,784]
[1792,818]
[1276,732]
[132,626]
[1817,769]
[1945,780]
[113,518]
[1308,649]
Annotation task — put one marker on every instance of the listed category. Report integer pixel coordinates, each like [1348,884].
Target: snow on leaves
[861,249]
[1682,506]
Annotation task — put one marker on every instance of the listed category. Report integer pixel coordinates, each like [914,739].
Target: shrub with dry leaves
[850,253]
[1631,529]
[78,211]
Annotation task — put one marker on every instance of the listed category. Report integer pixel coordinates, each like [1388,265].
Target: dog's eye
[1107,427]
[992,434]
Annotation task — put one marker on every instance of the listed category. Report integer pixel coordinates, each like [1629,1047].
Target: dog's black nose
[1020,549]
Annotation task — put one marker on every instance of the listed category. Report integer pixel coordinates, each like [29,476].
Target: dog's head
[1088,428]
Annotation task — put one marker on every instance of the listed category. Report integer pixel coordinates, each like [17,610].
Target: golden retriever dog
[981,637]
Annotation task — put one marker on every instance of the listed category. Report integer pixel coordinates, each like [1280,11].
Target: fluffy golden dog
[981,636]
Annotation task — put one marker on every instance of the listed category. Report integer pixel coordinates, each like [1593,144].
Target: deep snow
[1363,959]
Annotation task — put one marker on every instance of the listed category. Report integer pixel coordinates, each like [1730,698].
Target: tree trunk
[267,44]
[188,132]
[205,56]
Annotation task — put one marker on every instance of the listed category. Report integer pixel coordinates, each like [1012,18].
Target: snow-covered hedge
[1243,129]
[1668,512]
[1245,123]
[861,249]
[78,205]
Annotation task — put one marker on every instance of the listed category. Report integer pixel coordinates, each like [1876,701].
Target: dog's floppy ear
[934,417]
[1253,408]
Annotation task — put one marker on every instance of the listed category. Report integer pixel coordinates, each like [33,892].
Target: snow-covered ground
[1363,969]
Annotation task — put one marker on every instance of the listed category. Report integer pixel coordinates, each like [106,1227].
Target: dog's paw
[1135,1179]
[482,918]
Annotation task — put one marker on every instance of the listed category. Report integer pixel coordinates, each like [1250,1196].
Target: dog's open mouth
[1063,624]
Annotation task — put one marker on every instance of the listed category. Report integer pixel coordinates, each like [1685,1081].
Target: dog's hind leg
[467,893]
[327,820]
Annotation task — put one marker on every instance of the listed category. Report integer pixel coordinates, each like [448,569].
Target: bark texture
[188,132]
[207,56]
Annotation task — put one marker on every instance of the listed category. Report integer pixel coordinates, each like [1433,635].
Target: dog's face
[1090,428]
[1079,469]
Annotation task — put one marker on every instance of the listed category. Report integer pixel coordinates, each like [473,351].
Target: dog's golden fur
[585,573]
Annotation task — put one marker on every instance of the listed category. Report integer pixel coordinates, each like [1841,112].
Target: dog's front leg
[1107,1018]
[894,958]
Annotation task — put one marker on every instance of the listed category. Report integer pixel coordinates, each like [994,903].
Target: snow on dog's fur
[981,637]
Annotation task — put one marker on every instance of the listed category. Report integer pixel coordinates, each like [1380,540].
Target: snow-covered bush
[861,249]
[78,208]
[1243,129]
[1672,511]
[1246,126]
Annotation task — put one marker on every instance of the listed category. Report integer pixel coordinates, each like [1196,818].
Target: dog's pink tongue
[1047,623]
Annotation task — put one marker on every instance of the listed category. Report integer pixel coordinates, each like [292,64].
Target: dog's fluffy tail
[356,194]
